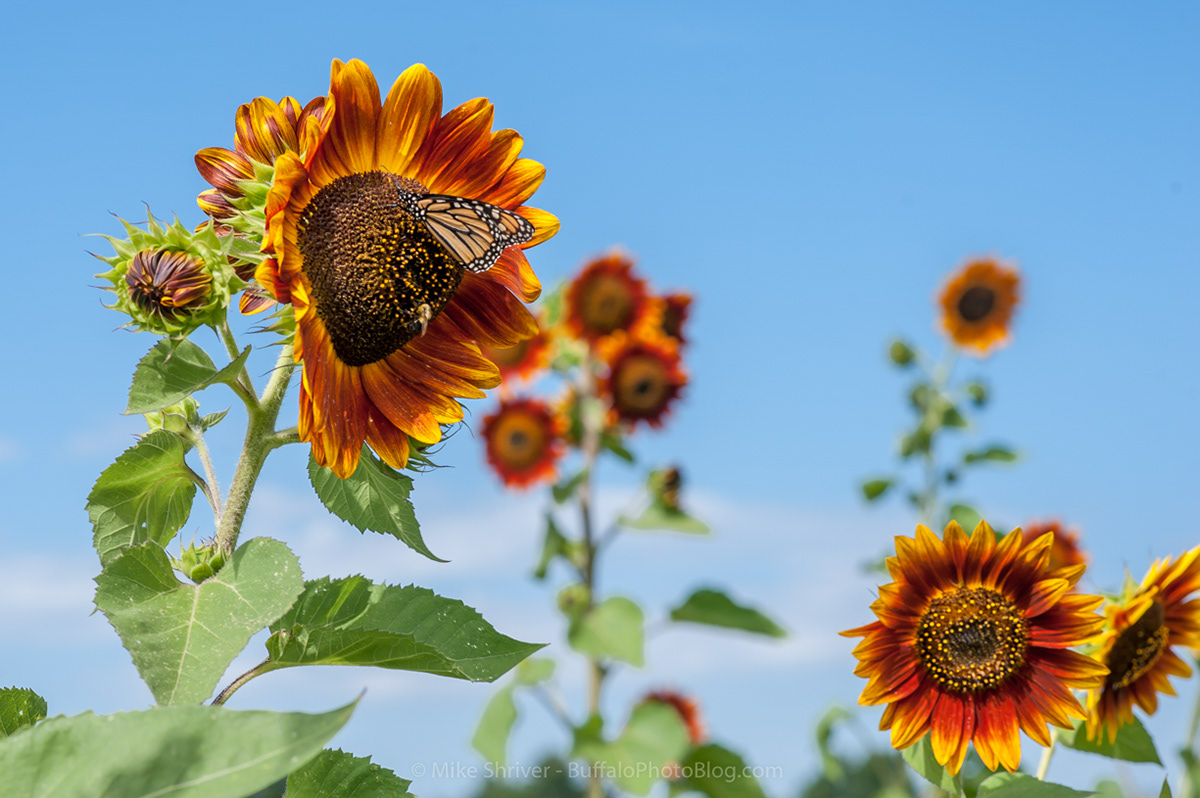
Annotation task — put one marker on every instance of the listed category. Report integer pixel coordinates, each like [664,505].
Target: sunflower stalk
[1047,754]
[261,440]
[212,488]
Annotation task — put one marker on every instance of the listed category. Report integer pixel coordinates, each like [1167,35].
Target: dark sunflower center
[377,274]
[1137,648]
[640,385]
[519,440]
[607,304]
[976,303]
[972,639]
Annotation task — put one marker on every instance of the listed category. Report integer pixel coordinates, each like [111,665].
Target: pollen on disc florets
[169,279]
[378,275]
[972,639]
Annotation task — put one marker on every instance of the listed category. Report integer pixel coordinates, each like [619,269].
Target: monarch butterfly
[475,233]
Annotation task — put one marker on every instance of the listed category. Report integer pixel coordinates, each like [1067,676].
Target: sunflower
[672,312]
[971,644]
[978,304]
[524,441]
[524,360]
[263,130]
[645,378]
[606,297]
[1139,635]
[688,709]
[388,324]
[1065,550]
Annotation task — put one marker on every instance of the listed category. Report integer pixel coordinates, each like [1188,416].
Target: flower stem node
[202,562]
[168,279]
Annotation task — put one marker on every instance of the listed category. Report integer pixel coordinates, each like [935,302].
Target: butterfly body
[475,233]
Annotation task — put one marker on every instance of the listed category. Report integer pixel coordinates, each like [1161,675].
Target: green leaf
[951,417]
[991,454]
[659,516]
[1165,792]
[717,772]
[566,488]
[966,516]
[1022,785]
[180,752]
[654,736]
[374,498]
[1191,764]
[714,608]
[352,621]
[336,774]
[554,546]
[831,762]
[534,670]
[919,757]
[491,735]
[613,443]
[916,442]
[212,419]
[612,629]
[1133,743]
[173,370]
[875,488]
[20,708]
[146,495]
[182,637]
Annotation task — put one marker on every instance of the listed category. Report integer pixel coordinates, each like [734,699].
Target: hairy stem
[258,444]
[257,670]
[212,489]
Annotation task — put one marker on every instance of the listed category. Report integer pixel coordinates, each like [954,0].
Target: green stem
[213,489]
[591,450]
[1047,755]
[1189,742]
[257,670]
[234,352]
[259,443]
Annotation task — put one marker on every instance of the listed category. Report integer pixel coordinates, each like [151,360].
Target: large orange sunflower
[524,441]
[971,644]
[1066,549]
[978,304]
[389,324]
[1139,636]
[524,360]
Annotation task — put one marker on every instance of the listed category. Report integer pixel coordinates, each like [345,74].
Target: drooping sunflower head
[978,305]
[168,279]
[971,644]
[688,709]
[645,378]
[1066,548]
[524,441]
[606,297]
[1141,632]
[389,324]
[672,311]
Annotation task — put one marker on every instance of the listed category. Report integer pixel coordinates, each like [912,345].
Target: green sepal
[203,244]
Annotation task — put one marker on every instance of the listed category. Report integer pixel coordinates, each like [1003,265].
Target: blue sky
[810,171]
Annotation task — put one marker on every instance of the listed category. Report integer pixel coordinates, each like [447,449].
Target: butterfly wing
[475,233]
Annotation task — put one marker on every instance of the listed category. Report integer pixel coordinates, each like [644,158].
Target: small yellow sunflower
[971,644]
[645,378]
[606,297]
[1066,549]
[978,304]
[1139,637]
[388,324]
[524,441]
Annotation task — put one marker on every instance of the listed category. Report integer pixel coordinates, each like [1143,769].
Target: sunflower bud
[201,562]
[573,600]
[900,353]
[179,418]
[168,279]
